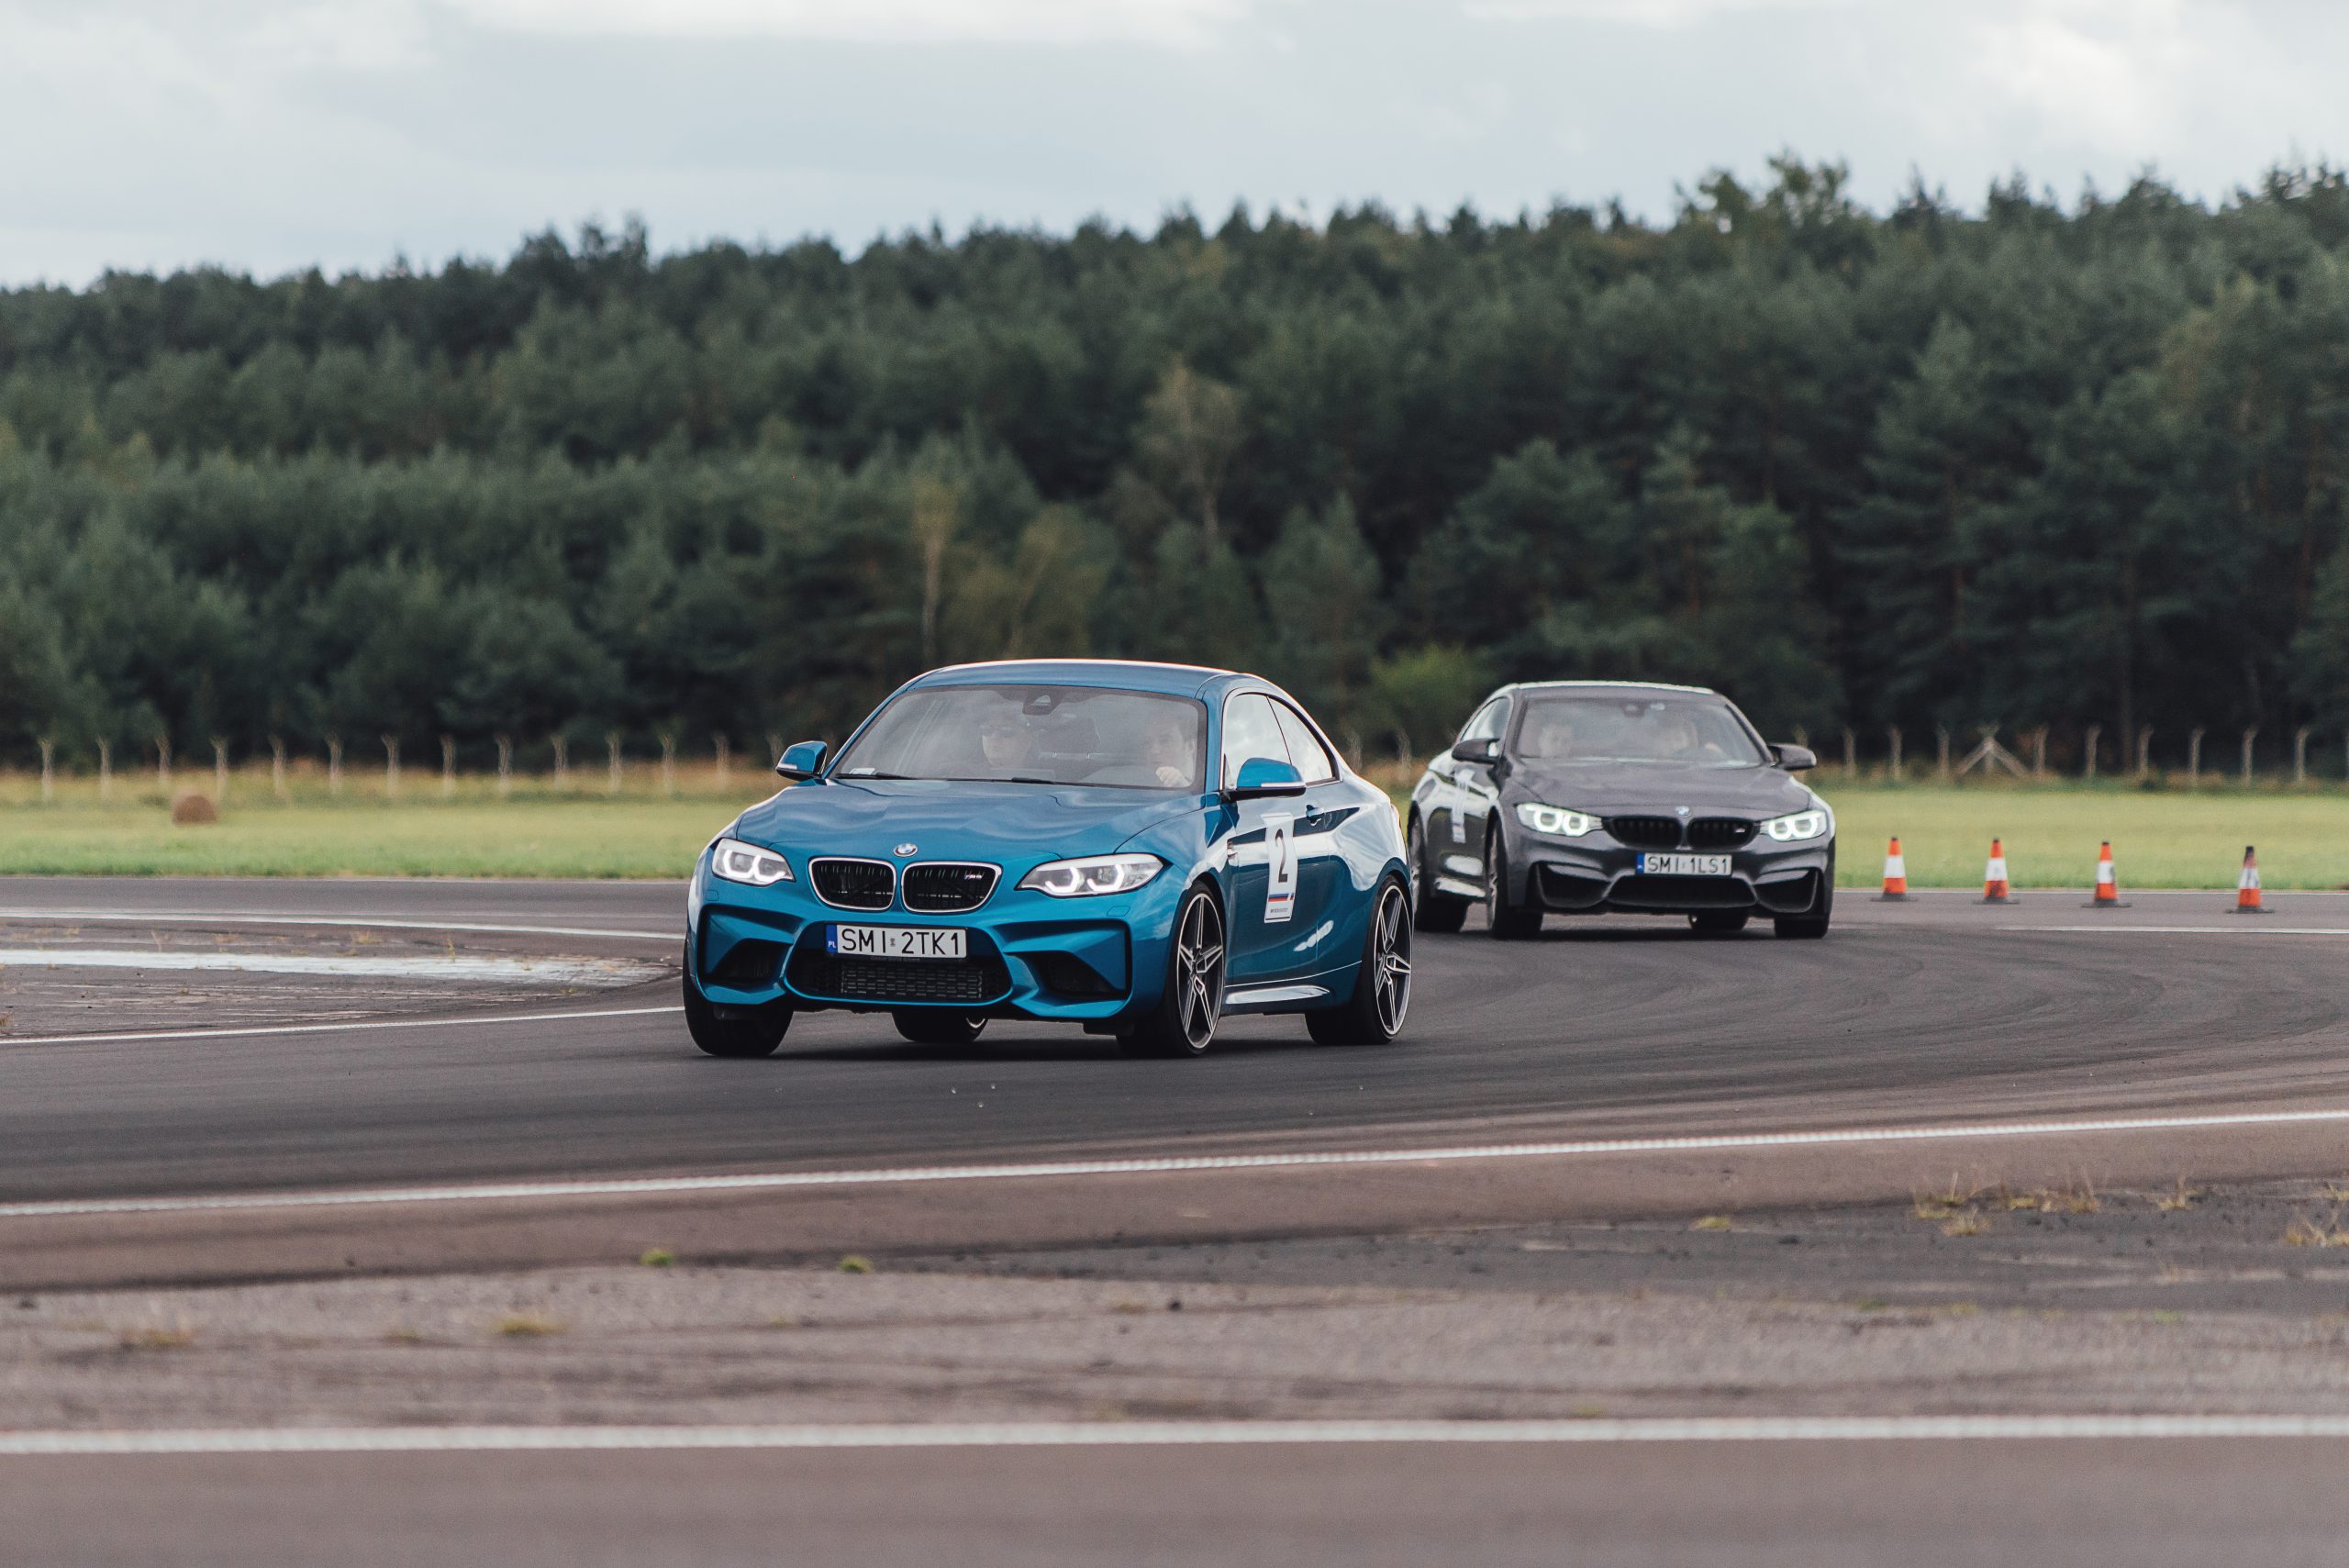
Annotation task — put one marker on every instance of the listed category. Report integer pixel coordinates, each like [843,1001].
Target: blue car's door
[1279,860]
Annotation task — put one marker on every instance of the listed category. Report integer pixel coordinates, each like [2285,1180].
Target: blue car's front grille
[855,885]
[899,980]
[947,887]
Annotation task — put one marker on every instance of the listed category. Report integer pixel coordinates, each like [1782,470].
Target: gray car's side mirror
[1795,759]
[804,761]
[1486,752]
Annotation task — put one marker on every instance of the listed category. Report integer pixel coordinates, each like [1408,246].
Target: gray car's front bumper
[1596,875]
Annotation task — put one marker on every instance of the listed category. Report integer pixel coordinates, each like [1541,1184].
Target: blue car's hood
[990,821]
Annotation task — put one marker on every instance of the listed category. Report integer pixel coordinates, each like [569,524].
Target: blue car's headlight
[1800,825]
[1555,819]
[1093,875]
[737,862]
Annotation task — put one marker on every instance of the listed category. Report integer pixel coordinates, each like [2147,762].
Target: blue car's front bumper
[1087,959]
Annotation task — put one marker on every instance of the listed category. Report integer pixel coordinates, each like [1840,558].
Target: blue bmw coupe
[1140,848]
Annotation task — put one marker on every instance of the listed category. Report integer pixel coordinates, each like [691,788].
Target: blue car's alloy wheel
[1382,997]
[1184,1022]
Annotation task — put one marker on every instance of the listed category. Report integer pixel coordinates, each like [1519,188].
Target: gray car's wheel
[1382,997]
[1502,918]
[1184,1022]
[1431,910]
[1812,925]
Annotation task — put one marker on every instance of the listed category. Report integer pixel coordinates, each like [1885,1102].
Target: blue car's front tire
[737,1033]
[1183,1021]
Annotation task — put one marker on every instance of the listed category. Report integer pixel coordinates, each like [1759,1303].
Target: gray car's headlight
[1798,826]
[1093,875]
[1556,820]
[737,862]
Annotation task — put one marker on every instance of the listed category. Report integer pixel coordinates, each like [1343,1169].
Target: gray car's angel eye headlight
[1093,875]
[1798,826]
[737,862]
[1556,820]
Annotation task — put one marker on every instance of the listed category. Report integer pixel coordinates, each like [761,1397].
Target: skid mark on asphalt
[457,966]
[655,1186]
[1154,1434]
[369,922]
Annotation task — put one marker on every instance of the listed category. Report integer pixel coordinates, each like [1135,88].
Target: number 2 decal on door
[1280,860]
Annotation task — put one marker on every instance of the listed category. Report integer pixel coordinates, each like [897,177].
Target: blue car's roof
[1182,680]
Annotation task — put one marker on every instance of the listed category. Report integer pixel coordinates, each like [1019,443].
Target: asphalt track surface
[1937,1010]
[1933,1013]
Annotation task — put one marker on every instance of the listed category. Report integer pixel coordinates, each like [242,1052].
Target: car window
[1034,734]
[1250,731]
[1701,732]
[1488,722]
[1305,748]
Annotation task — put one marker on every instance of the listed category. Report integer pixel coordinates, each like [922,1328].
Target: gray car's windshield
[1701,732]
[1024,734]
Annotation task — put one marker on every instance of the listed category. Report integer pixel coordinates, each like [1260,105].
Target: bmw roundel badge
[902,851]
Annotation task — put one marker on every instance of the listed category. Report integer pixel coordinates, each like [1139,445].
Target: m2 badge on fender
[1280,859]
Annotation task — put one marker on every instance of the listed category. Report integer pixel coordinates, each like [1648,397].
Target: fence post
[2088,770]
[164,762]
[219,770]
[334,764]
[1851,754]
[277,766]
[719,744]
[561,761]
[1941,746]
[2300,756]
[774,750]
[505,766]
[612,742]
[2144,749]
[668,763]
[48,771]
[1894,734]
[391,766]
[2247,735]
[2194,758]
[2039,752]
[105,771]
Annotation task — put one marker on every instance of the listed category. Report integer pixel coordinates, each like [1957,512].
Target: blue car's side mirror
[804,761]
[1261,777]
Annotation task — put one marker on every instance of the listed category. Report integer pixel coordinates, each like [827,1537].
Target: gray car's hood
[1612,788]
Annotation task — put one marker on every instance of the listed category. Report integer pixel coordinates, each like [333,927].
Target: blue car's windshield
[1022,734]
[1699,730]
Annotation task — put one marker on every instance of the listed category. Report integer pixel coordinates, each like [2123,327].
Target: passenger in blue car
[1137,849]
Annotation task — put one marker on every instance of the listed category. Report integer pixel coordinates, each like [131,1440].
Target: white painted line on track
[231,1033]
[1132,1434]
[636,1186]
[2246,927]
[369,922]
[456,966]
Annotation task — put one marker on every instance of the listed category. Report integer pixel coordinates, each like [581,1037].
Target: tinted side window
[1305,748]
[1249,730]
[1489,721]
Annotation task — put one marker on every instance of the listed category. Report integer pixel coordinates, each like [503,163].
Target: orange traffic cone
[2247,885]
[2108,886]
[1994,876]
[1896,874]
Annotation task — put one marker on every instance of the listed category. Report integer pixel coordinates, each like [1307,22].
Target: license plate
[1684,865]
[895,941]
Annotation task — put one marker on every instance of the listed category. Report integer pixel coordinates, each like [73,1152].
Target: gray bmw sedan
[1581,797]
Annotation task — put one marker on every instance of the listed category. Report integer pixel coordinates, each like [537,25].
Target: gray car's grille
[1645,832]
[1721,833]
[855,885]
[947,887]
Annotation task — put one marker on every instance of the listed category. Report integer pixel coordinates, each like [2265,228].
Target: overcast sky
[270,136]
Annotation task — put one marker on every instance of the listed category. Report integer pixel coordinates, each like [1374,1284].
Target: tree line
[2030,464]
